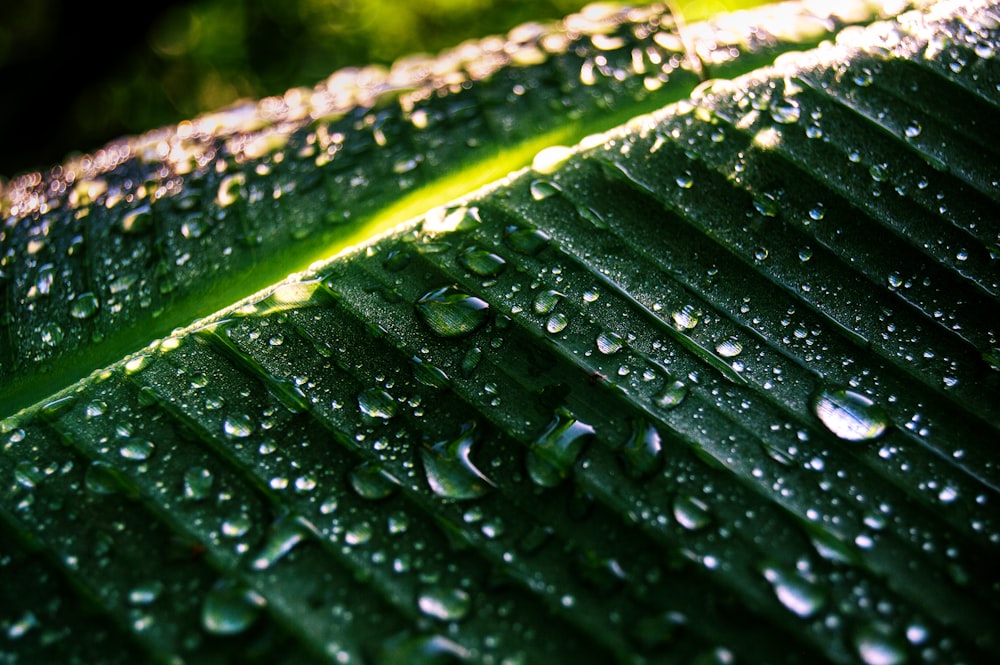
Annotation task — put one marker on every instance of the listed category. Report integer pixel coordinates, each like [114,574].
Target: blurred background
[74,75]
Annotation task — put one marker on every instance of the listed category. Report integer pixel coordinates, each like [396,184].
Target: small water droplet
[913,130]
[546,301]
[729,348]
[51,333]
[146,593]
[556,323]
[451,313]
[283,537]
[450,471]
[238,426]
[849,415]
[801,596]
[444,604]
[371,482]
[482,262]
[642,452]
[197,483]
[137,449]
[552,455]
[691,513]
[672,395]
[785,110]
[609,343]
[685,318]
[684,180]
[230,609]
[376,403]
[542,189]
[84,306]
[877,646]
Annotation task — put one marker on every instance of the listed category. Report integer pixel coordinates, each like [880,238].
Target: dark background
[74,75]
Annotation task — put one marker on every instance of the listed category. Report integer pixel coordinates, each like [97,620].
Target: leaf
[714,386]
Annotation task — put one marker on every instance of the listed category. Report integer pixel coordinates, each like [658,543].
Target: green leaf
[715,386]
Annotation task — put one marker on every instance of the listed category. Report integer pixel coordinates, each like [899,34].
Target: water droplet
[877,646]
[27,474]
[729,348]
[556,323]
[371,482]
[482,262]
[238,427]
[138,220]
[525,240]
[444,604]
[84,306]
[913,130]
[801,596]
[546,301]
[197,483]
[641,453]
[102,478]
[283,537]
[451,313]
[548,160]
[609,343]
[230,609]
[685,318]
[137,449]
[785,111]
[684,180]
[543,189]
[51,333]
[376,403]
[691,513]
[450,471]
[146,593]
[429,375]
[849,415]
[672,395]
[552,455]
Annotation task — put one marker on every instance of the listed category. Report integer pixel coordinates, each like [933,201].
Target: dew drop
[525,240]
[137,221]
[482,262]
[84,306]
[238,426]
[556,323]
[444,604]
[729,348]
[137,449]
[282,538]
[451,313]
[376,403]
[801,596]
[428,374]
[145,594]
[877,646]
[230,609]
[552,455]
[691,513]
[641,454]
[450,471]
[849,415]
[913,130]
[546,301]
[609,343]
[371,482]
[542,189]
[785,111]
[672,395]
[51,333]
[197,483]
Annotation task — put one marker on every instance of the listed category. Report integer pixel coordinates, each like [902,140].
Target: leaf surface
[716,386]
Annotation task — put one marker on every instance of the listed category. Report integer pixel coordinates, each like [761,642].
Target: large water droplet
[482,262]
[691,513]
[371,482]
[525,240]
[238,426]
[450,472]
[451,313]
[552,455]
[546,301]
[444,604]
[197,483]
[672,395]
[283,537]
[230,609]
[641,453]
[801,596]
[376,403]
[556,323]
[877,646]
[542,189]
[429,375]
[84,306]
[137,449]
[849,415]
[609,343]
